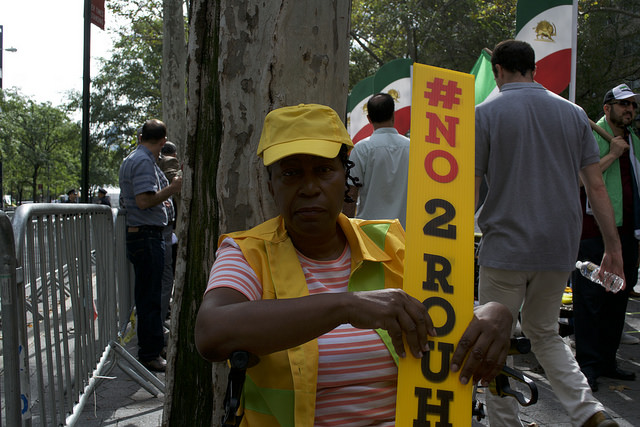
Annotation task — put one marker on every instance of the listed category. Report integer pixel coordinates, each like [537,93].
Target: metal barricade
[12,402]
[69,289]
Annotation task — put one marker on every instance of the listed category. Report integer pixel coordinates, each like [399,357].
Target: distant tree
[608,50]
[105,164]
[40,147]
[451,34]
[126,91]
[143,78]
[442,33]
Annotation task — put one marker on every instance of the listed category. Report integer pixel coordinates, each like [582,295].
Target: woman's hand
[395,311]
[486,342]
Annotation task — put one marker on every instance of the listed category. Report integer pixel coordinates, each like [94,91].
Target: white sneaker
[629,339]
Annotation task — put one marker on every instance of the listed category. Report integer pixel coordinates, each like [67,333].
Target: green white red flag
[393,78]
[357,124]
[547,25]
[485,84]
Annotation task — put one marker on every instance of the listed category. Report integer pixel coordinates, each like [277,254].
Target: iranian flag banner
[357,124]
[547,25]
[393,78]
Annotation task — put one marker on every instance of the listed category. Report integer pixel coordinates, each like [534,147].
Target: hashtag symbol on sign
[447,94]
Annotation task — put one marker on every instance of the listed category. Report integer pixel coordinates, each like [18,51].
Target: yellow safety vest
[281,389]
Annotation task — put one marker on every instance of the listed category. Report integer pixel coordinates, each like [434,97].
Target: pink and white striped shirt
[357,376]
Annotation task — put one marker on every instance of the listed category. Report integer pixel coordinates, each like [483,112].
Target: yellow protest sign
[439,247]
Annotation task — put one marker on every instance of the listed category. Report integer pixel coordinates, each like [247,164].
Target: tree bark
[272,55]
[190,395]
[173,74]
[246,58]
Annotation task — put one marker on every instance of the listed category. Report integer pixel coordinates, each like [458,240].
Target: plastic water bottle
[613,282]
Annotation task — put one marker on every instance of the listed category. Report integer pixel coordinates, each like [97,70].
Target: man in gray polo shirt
[146,195]
[533,147]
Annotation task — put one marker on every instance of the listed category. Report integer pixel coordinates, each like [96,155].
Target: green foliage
[126,91]
[451,34]
[40,147]
[443,33]
[608,51]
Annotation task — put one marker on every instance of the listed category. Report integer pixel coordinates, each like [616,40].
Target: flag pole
[574,50]
[86,84]
[603,133]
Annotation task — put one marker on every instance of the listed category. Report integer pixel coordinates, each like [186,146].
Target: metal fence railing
[66,293]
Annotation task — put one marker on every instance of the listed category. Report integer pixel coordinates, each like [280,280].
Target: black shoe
[593,383]
[156,365]
[620,374]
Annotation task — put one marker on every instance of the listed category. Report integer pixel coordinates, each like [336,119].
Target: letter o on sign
[431,158]
[450,322]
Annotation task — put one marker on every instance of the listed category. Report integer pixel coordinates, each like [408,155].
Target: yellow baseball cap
[302,129]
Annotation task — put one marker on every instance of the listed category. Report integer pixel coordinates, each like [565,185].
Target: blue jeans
[145,250]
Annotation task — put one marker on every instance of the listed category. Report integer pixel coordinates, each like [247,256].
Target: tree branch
[615,10]
[366,48]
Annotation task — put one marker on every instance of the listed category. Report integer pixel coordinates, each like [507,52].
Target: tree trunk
[34,185]
[173,75]
[246,57]
[272,54]
[188,381]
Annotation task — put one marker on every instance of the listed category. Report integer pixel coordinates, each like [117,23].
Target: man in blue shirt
[381,164]
[146,196]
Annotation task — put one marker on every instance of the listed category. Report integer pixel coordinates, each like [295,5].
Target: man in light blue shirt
[381,164]
[146,195]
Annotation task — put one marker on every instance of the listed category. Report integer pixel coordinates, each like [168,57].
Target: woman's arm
[228,321]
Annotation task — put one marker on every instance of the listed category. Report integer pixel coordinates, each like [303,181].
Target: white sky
[49,38]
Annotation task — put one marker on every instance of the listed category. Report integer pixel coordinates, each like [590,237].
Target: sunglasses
[625,103]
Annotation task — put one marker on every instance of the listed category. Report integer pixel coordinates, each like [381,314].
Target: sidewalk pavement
[620,398]
[121,402]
